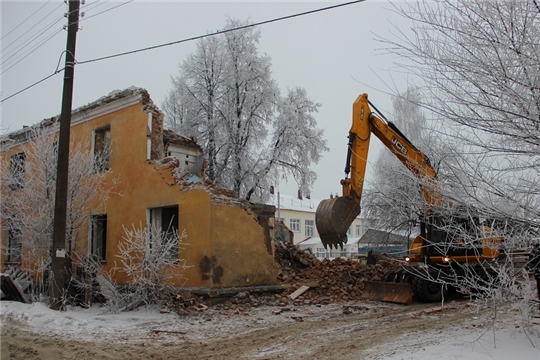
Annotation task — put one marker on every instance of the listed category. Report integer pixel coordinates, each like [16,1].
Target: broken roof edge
[218,195]
[171,137]
[114,101]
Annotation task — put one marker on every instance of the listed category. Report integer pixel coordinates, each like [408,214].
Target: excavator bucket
[387,291]
[333,218]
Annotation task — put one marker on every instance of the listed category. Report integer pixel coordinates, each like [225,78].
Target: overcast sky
[332,54]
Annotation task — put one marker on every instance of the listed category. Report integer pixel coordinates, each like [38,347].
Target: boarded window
[102,149]
[164,222]
[17,171]
[98,236]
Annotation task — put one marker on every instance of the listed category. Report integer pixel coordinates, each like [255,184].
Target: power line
[219,32]
[40,31]
[57,71]
[22,22]
[31,86]
[16,59]
[104,11]
[93,5]
[188,39]
[30,51]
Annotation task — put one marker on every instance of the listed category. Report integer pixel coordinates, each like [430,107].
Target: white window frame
[294,225]
[309,226]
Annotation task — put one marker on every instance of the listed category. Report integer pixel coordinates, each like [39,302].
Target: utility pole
[58,254]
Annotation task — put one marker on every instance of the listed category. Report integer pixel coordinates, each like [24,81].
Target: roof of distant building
[374,236]
[287,202]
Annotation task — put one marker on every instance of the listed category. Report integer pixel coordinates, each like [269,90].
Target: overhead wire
[31,86]
[16,57]
[218,32]
[37,46]
[25,20]
[91,6]
[31,51]
[104,11]
[40,31]
[184,40]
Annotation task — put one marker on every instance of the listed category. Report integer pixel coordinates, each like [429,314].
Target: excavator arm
[334,216]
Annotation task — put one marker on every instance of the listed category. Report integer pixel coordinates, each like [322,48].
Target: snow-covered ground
[468,342]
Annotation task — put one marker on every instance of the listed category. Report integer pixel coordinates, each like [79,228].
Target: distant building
[382,241]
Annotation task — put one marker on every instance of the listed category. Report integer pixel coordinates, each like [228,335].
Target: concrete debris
[305,280]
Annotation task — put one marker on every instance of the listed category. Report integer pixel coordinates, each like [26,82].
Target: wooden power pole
[58,254]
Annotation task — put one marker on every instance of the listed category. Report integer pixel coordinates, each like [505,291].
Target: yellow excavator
[435,255]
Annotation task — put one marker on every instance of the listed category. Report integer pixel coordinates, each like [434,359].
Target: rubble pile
[328,280]
[306,281]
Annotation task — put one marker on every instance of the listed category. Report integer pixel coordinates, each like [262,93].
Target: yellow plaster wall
[239,255]
[224,245]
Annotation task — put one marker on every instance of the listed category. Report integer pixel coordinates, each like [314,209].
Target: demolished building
[161,181]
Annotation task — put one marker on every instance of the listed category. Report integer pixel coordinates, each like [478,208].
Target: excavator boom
[334,216]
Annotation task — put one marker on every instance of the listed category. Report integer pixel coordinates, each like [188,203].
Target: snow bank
[79,321]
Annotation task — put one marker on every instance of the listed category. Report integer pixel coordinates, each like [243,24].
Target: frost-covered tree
[29,183]
[478,63]
[393,196]
[190,107]
[226,97]
[175,107]
[477,67]
[150,257]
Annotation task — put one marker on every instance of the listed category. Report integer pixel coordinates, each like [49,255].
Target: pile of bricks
[307,280]
[328,280]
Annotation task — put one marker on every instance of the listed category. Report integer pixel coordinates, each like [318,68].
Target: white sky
[332,54]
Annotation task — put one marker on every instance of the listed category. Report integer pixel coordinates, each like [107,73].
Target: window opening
[17,171]
[14,243]
[99,236]
[164,222]
[102,149]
